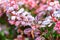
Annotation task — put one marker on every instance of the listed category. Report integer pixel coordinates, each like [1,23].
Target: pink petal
[11,22]
[17,23]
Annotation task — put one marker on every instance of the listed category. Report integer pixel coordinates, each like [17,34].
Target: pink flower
[51,3]
[30,3]
[40,38]
[25,1]
[57,27]
[17,23]
[27,31]
[12,2]
[16,6]
[11,22]
[43,1]
[41,8]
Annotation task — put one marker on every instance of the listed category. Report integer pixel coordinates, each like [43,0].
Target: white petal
[25,13]
[20,11]
[42,26]
[13,17]
[49,8]
[11,8]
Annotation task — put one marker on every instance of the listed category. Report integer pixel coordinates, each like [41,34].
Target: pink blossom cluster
[21,17]
[17,15]
[31,3]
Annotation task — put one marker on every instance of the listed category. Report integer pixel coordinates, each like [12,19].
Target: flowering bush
[29,20]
